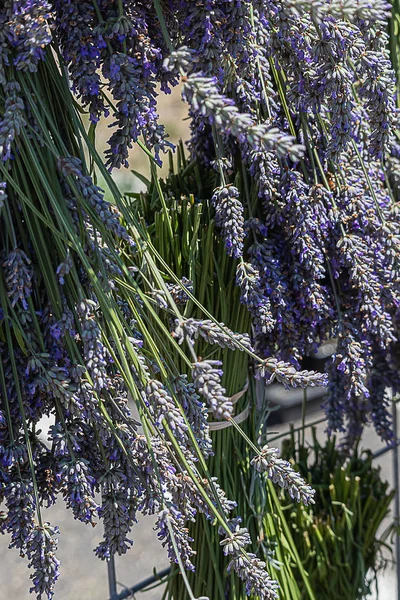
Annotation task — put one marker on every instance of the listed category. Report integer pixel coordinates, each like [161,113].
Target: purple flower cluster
[207,381]
[229,218]
[306,104]
[117,46]
[18,272]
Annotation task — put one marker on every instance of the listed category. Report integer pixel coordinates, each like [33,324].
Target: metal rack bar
[112,579]
[131,591]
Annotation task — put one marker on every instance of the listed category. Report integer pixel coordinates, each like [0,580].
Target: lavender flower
[42,548]
[178,291]
[213,333]
[64,268]
[207,381]
[363,10]
[77,486]
[170,525]
[106,212]
[18,277]
[378,89]
[118,511]
[251,570]
[164,408]
[203,96]
[21,512]
[13,119]
[236,541]
[229,218]
[271,369]
[96,355]
[249,281]
[281,472]
[82,46]
[214,492]
[31,31]
[196,413]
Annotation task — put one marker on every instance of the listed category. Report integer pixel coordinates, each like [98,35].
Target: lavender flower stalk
[213,333]
[207,381]
[281,472]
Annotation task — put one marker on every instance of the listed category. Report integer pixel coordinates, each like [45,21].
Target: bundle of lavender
[292,103]
[292,108]
[80,332]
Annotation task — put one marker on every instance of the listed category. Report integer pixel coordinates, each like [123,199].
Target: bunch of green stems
[342,539]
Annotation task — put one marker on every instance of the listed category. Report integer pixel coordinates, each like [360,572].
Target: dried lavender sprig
[163,408]
[77,486]
[170,523]
[252,571]
[71,166]
[19,276]
[118,511]
[272,368]
[281,472]
[252,295]
[21,505]
[64,268]
[177,292]
[29,26]
[95,352]
[13,119]
[42,547]
[179,60]
[234,543]
[196,413]
[204,97]
[207,381]
[212,332]
[229,217]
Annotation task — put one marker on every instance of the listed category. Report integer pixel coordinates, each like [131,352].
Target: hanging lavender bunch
[311,142]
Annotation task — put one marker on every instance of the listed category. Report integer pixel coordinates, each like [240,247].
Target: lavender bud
[207,381]
[229,218]
[271,369]
[18,277]
[281,472]
[41,551]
